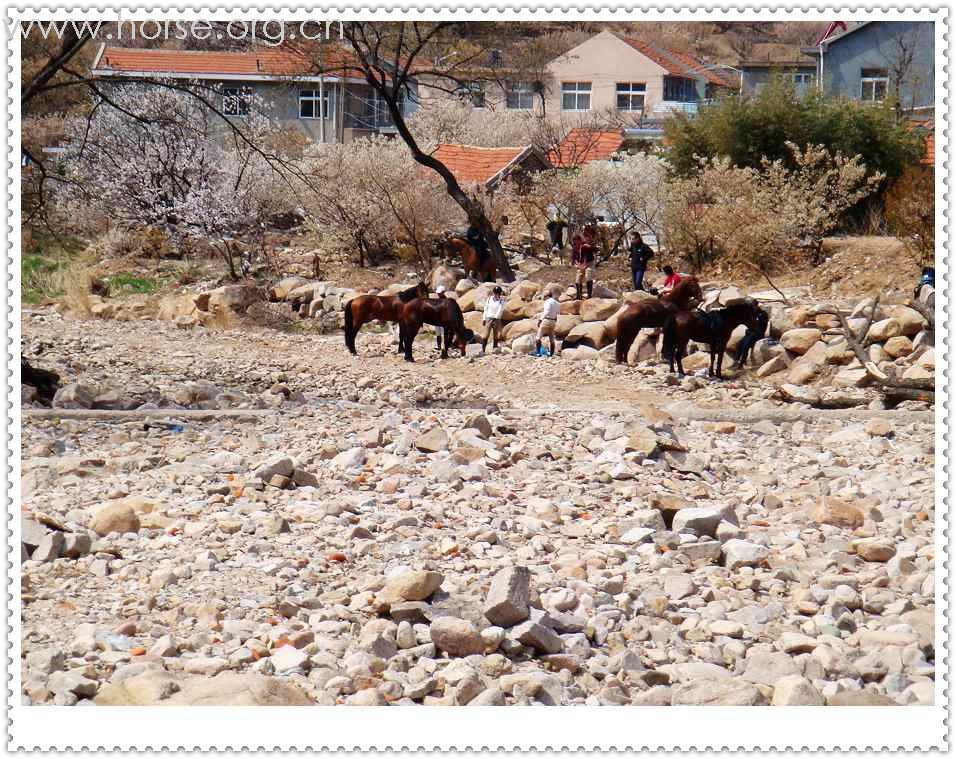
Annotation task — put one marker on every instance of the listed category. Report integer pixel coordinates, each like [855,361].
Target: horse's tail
[669,345]
[349,328]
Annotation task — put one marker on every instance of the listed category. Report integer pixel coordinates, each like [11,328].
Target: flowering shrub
[757,216]
[369,196]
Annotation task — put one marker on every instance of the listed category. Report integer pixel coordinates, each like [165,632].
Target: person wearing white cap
[439,331]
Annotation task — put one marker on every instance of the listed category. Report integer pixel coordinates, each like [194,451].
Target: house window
[235,100]
[630,96]
[365,109]
[575,96]
[679,90]
[473,92]
[309,104]
[802,80]
[519,96]
[873,84]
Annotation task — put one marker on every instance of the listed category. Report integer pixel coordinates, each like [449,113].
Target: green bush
[749,129]
[129,283]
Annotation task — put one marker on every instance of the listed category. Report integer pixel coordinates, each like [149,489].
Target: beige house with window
[630,76]
[606,73]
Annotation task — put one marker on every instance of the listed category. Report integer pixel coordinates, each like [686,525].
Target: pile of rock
[283,472]
[808,345]
[45,539]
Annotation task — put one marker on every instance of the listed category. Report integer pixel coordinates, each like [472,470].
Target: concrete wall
[878,45]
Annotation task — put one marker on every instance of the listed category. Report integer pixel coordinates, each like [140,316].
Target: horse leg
[623,344]
[680,349]
[720,358]
[408,335]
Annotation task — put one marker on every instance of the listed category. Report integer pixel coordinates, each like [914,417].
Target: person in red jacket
[671,279]
[582,259]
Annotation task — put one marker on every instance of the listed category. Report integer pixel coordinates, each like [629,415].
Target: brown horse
[481,268]
[439,312]
[384,308]
[711,327]
[653,313]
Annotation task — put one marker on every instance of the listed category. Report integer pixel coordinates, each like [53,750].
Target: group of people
[583,260]
[492,321]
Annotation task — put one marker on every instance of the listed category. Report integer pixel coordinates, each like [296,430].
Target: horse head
[421,290]
[687,293]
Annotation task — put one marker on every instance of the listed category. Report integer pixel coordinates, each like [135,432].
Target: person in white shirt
[547,323]
[439,330]
[491,319]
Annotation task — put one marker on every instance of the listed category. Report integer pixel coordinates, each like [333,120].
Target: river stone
[795,690]
[114,517]
[838,513]
[507,601]
[800,340]
[457,637]
[740,553]
[732,692]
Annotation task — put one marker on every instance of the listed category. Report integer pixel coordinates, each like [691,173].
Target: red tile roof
[582,146]
[676,62]
[210,63]
[471,164]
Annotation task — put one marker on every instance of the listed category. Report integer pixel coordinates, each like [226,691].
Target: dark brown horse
[653,313]
[482,268]
[711,327]
[439,312]
[384,308]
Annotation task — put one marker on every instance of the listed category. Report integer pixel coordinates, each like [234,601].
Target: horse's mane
[410,294]
[680,289]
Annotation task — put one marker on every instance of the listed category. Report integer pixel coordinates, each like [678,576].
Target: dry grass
[220,320]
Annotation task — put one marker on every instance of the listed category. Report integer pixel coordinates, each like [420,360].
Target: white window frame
[236,100]
[631,92]
[577,91]
[312,96]
[519,90]
[803,77]
[873,81]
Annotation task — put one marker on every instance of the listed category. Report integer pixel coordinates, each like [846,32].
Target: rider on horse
[477,241]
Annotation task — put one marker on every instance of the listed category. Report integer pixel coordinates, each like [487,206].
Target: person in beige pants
[491,318]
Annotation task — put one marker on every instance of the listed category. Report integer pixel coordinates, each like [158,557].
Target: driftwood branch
[894,389]
[766,276]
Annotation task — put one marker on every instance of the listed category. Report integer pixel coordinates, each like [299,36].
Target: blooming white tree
[156,157]
[449,120]
[629,192]
[369,196]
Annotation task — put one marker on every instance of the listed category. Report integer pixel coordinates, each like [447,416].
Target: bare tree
[392,57]
[906,75]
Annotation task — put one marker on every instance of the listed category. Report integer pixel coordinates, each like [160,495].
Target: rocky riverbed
[491,531]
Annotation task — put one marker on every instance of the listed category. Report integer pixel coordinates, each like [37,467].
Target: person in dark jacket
[477,240]
[641,254]
[556,229]
[750,339]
